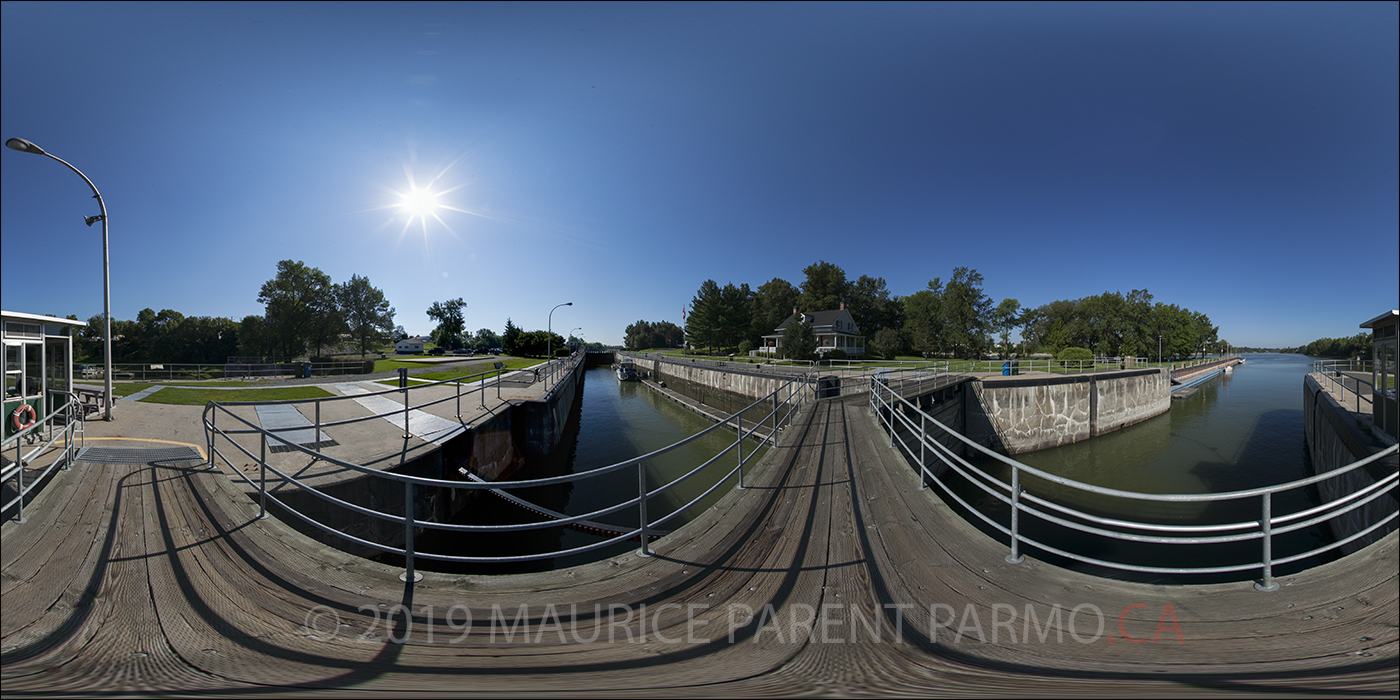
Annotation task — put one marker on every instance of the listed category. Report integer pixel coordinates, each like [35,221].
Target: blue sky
[1236,159]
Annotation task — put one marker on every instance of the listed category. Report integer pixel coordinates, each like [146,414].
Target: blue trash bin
[1006,369]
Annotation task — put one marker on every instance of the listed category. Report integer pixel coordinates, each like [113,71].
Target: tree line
[955,318]
[305,314]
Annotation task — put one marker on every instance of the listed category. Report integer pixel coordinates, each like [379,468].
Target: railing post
[459,399]
[316,436]
[645,551]
[923,436]
[408,575]
[19,474]
[262,478]
[403,386]
[1268,584]
[1015,556]
[739,441]
[774,435]
[209,432]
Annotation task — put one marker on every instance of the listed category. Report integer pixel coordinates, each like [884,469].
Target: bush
[1075,354]
[836,354]
[1072,357]
[746,347]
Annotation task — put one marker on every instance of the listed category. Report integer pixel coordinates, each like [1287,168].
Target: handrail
[1331,373]
[785,398]
[901,417]
[72,416]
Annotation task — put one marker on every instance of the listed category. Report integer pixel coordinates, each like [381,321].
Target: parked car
[462,351]
[438,351]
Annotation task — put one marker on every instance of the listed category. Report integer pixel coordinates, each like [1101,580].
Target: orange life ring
[16,416]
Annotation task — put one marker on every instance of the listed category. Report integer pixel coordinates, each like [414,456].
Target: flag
[682,313]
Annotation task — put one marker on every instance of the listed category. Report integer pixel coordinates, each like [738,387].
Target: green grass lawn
[469,370]
[129,388]
[183,396]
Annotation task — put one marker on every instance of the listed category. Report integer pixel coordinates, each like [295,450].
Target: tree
[254,337]
[887,343]
[825,287]
[297,301]
[966,312]
[923,318]
[703,325]
[367,312]
[485,339]
[870,305]
[511,340]
[451,323]
[799,342]
[644,335]
[772,304]
[735,314]
[1006,318]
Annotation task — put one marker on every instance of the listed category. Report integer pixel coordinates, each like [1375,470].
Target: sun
[419,203]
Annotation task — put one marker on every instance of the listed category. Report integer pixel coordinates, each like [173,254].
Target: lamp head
[24,147]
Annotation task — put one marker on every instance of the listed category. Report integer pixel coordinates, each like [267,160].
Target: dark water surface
[612,422]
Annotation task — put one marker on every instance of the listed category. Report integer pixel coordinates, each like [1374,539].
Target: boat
[626,370]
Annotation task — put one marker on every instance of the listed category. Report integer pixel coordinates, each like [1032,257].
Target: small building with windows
[409,346]
[1383,344]
[835,329]
[38,364]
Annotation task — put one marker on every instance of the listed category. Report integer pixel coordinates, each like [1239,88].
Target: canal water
[611,422]
[1242,430]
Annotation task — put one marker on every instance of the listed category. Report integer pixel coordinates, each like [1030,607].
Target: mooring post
[1268,584]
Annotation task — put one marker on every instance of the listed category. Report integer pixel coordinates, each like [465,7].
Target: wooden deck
[143,579]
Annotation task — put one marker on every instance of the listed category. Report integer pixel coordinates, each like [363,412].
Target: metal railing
[157,371]
[784,401]
[902,418]
[71,416]
[1343,381]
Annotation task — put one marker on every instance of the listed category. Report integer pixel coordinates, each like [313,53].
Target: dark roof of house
[818,319]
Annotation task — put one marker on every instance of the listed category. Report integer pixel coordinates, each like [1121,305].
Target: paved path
[831,574]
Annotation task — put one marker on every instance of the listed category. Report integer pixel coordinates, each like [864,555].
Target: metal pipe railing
[781,403]
[895,413]
[71,412]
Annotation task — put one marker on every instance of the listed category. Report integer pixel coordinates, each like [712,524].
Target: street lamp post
[549,332]
[571,334]
[26,147]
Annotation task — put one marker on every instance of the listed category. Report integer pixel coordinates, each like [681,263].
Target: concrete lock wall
[1035,413]
[735,386]
[1335,440]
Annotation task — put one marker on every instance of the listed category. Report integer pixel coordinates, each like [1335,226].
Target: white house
[835,329]
[409,346]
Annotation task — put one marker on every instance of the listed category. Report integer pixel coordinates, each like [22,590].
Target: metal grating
[137,455]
